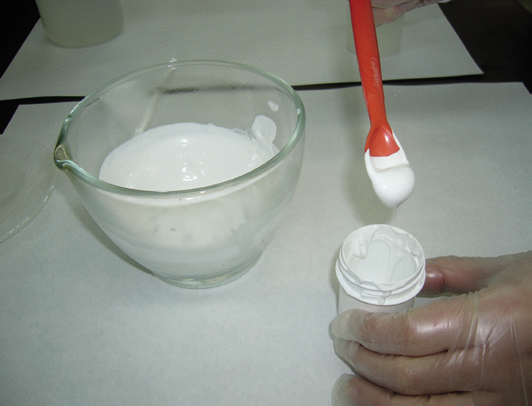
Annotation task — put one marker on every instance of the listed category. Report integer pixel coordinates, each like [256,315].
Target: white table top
[80,324]
[302,41]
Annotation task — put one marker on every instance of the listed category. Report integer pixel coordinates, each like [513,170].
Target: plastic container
[388,37]
[80,23]
[380,268]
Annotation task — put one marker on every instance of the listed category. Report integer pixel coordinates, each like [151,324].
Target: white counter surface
[302,41]
[80,324]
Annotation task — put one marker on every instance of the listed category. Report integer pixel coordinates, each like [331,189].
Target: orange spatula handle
[369,65]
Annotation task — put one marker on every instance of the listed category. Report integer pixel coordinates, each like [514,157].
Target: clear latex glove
[387,11]
[474,348]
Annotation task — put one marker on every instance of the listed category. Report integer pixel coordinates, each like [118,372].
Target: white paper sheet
[302,41]
[81,324]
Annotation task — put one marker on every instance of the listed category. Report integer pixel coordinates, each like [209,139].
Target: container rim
[62,156]
[376,292]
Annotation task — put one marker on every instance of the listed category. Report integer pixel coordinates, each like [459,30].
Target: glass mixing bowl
[194,238]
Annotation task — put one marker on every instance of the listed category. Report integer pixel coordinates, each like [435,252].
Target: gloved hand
[387,11]
[474,348]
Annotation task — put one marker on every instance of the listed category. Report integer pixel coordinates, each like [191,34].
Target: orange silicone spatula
[386,163]
[380,140]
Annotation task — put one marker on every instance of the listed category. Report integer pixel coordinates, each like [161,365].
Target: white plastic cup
[80,23]
[380,268]
[388,37]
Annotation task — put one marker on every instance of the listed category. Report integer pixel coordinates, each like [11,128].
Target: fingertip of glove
[339,394]
[343,323]
[434,280]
